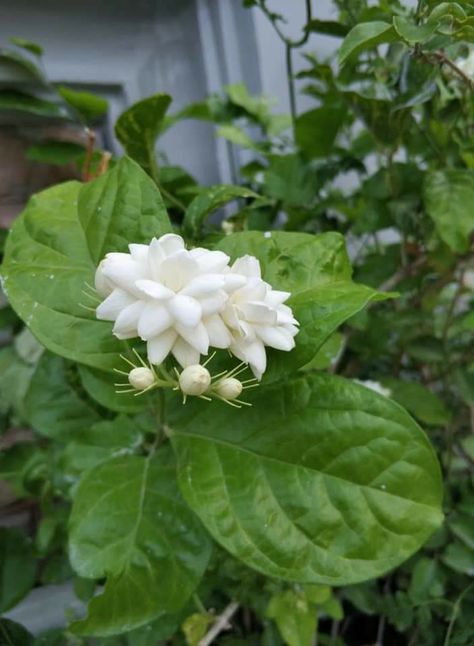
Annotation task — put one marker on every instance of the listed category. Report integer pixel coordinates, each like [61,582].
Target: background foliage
[386,158]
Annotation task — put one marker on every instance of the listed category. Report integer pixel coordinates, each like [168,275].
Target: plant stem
[221,623]
[291,86]
[454,616]
[199,604]
[289,46]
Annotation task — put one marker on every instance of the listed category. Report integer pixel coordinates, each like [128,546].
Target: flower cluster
[184,301]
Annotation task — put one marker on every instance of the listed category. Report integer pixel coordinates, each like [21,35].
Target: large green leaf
[321,481]
[364,36]
[120,207]
[449,199]
[53,406]
[138,128]
[52,252]
[129,524]
[208,201]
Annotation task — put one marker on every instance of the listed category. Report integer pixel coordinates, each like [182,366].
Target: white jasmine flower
[256,316]
[168,296]
[375,386]
[194,380]
[141,378]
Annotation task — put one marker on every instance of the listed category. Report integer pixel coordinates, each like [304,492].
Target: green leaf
[52,253]
[138,128]
[53,406]
[101,386]
[22,66]
[314,483]
[412,33]
[15,375]
[13,634]
[17,567]
[120,207]
[317,129]
[90,106]
[419,401]
[289,179]
[448,196]
[34,48]
[99,442]
[327,27]
[15,101]
[128,523]
[423,580]
[195,627]
[295,617]
[54,152]
[365,36]
[459,558]
[208,201]
[237,136]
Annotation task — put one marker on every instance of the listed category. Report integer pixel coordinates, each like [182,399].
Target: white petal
[197,337]
[233,282]
[160,346]
[219,335]
[247,331]
[274,297]
[210,261]
[109,309]
[247,266]
[102,284]
[177,270]
[285,315]
[230,318]
[256,357]
[124,272]
[170,243]
[139,253]
[275,337]
[253,354]
[153,289]
[254,290]
[185,354]
[204,285]
[154,320]
[213,304]
[258,313]
[185,309]
[126,322]
[156,255]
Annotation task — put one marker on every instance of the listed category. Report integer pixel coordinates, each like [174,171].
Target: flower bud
[141,378]
[229,388]
[194,380]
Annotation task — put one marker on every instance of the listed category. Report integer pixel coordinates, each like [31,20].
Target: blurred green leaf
[90,106]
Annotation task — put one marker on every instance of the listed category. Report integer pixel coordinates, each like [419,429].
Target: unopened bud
[141,378]
[194,380]
[229,388]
